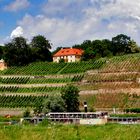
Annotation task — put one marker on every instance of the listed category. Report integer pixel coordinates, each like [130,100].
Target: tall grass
[71,132]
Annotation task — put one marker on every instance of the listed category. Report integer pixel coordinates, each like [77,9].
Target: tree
[40,41]
[95,49]
[70,96]
[120,44]
[1,52]
[133,47]
[53,104]
[40,49]
[17,52]
[106,48]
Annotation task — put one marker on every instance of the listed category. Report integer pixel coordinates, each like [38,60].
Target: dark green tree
[40,49]
[71,98]
[1,52]
[40,41]
[95,49]
[120,44]
[17,52]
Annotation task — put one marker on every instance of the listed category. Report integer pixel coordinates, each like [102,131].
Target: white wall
[71,58]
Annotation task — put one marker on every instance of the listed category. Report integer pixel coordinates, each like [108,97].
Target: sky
[69,22]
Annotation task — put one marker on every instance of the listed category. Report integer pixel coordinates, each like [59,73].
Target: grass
[125,115]
[71,132]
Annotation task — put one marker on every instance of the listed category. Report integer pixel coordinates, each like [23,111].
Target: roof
[69,51]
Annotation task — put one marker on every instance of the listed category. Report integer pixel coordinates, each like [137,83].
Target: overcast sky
[69,22]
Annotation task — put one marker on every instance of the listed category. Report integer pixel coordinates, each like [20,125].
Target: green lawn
[71,132]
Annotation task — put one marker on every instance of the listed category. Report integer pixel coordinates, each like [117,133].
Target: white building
[68,55]
[3,65]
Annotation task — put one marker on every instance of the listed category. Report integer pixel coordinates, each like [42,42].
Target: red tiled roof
[69,51]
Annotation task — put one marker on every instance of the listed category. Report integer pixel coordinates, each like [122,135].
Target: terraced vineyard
[111,100]
[44,68]
[127,63]
[104,83]
[21,101]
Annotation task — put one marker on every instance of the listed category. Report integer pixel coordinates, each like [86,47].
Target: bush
[45,122]
[26,113]
[54,104]
[132,110]
[71,98]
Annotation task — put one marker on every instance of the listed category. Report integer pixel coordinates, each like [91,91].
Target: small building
[3,65]
[68,55]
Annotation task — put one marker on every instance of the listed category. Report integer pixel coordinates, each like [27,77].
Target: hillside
[103,83]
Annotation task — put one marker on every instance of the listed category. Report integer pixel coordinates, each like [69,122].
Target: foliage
[71,98]
[40,49]
[61,61]
[26,113]
[18,53]
[124,115]
[132,110]
[1,52]
[38,109]
[45,122]
[40,41]
[53,104]
[119,45]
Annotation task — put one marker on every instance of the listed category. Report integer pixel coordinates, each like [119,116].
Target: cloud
[17,32]
[66,23]
[71,9]
[17,5]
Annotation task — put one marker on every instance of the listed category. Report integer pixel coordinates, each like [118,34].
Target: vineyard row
[28,80]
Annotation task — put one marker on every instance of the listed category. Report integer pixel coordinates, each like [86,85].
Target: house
[3,65]
[68,55]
